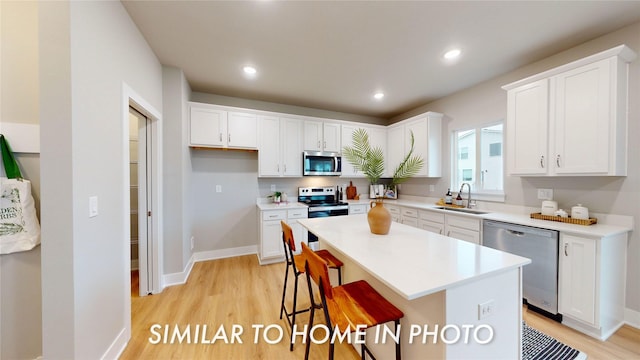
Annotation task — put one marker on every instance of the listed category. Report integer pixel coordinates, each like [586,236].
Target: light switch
[93,206]
[218,188]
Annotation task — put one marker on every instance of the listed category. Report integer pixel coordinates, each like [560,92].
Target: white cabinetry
[463,228]
[427,132]
[431,221]
[571,120]
[394,210]
[377,138]
[321,136]
[592,282]
[409,216]
[211,126]
[355,209]
[271,247]
[280,147]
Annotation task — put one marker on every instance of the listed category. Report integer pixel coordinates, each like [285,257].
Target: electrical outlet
[273,187]
[486,309]
[218,188]
[193,242]
[545,194]
[432,188]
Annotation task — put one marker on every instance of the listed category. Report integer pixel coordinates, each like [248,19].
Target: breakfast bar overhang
[460,300]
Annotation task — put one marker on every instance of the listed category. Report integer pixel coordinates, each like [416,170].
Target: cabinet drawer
[393,209]
[463,222]
[274,215]
[297,214]
[431,216]
[409,212]
[357,209]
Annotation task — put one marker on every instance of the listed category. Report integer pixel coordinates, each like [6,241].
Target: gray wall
[487,102]
[20,279]
[89,51]
[176,172]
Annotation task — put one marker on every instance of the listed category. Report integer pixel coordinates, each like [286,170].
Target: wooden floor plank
[240,291]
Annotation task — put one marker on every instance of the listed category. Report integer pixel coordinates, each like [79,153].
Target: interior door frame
[154,246]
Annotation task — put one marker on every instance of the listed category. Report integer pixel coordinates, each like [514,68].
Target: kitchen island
[460,300]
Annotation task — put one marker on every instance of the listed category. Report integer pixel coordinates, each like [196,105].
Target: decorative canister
[580,212]
[379,218]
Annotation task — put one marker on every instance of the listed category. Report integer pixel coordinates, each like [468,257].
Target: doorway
[140,202]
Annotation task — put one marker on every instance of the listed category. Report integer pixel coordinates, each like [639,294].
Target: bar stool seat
[297,264]
[346,306]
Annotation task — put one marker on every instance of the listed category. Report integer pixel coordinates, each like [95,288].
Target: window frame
[477,194]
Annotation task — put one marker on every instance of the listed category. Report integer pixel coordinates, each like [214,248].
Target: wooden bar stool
[346,306]
[296,263]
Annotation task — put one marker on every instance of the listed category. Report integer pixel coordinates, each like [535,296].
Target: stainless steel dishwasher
[540,278]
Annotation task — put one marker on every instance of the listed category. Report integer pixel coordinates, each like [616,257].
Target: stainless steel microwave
[321,163]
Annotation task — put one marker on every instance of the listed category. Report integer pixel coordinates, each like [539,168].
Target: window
[478,160]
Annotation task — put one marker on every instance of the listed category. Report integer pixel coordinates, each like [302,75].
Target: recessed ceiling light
[249,70]
[452,54]
[378,96]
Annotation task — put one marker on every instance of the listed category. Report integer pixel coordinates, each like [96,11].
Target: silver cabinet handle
[440,232]
[558,160]
[325,144]
[229,138]
[318,144]
[449,233]
[220,137]
[278,167]
[285,168]
[542,161]
[566,245]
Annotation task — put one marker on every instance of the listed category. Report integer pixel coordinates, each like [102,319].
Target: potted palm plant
[370,161]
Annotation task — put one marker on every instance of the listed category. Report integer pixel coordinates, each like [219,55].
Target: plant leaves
[369,161]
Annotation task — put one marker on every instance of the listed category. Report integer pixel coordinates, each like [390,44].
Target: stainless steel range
[322,202]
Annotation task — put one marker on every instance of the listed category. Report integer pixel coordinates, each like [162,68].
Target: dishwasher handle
[515,233]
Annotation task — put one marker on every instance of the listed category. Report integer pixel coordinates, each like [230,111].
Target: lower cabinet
[395,212]
[271,249]
[431,221]
[462,228]
[591,283]
[355,209]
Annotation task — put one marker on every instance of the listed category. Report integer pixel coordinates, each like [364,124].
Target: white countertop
[597,230]
[411,261]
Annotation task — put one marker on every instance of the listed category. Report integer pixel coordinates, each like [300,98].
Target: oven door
[324,211]
[321,163]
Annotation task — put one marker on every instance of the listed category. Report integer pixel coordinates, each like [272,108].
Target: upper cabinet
[280,147]
[211,126]
[427,133]
[571,120]
[377,138]
[322,136]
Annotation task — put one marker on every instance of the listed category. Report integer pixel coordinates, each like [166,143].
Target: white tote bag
[19,226]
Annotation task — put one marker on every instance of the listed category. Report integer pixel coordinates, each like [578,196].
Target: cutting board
[351,191]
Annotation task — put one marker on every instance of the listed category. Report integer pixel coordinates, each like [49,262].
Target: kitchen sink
[463,210]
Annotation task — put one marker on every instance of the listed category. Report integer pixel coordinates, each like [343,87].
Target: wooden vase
[379,218]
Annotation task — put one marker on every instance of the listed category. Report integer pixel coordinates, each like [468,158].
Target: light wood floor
[240,291]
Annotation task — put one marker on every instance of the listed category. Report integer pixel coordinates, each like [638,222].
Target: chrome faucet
[468,195]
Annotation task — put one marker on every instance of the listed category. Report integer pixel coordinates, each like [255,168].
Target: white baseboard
[225,253]
[632,318]
[178,278]
[117,346]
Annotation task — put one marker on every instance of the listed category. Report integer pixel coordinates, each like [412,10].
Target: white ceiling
[336,55]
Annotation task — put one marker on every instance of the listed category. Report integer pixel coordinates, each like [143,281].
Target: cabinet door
[432,226]
[395,148]
[269,147]
[347,140]
[421,147]
[582,119]
[577,286]
[242,130]
[207,127]
[313,135]
[291,147]
[463,234]
[271,245]
[299,234]
[527,129]
[331,136]
[410,221]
